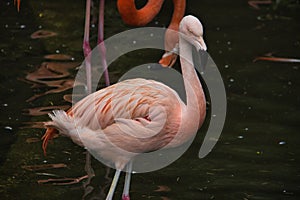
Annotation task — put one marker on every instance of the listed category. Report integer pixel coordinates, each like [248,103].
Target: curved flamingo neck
[138,17]
[178,13]
[195,98]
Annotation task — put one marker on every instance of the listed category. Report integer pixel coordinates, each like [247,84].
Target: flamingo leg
[113,185]
[100,41]
[86,51]
[86,46]
[125,195]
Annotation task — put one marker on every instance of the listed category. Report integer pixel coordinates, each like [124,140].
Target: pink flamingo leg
[86,47]
[87,55]
[113,185]
[100,41]
[125,195]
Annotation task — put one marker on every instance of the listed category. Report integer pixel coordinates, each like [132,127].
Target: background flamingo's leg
[100,41]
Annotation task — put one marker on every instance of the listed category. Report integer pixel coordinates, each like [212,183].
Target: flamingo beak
[203,60]
[200,44]
[201,57]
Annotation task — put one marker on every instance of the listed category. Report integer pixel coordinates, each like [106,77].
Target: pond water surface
[257,155]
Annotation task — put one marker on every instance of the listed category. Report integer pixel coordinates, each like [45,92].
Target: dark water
[257,156]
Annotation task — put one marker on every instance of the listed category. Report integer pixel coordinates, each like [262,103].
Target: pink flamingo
[143,16]
[137,115]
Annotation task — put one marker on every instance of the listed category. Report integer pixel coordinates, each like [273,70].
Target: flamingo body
[136,115]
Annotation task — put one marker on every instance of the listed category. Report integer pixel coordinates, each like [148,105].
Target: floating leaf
[44,166]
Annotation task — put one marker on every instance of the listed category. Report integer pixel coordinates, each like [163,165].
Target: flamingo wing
[135,110]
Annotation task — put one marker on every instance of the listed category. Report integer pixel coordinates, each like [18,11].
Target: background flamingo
[141,17]
[137,115]
[133,17]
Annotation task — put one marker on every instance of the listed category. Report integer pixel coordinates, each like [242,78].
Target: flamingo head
[191,30]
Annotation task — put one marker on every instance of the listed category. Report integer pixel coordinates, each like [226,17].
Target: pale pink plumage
[137,115]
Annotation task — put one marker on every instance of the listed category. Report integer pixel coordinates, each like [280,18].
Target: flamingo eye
[190,31]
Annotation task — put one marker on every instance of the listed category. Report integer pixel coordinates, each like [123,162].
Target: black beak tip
[203,59]
[200,60]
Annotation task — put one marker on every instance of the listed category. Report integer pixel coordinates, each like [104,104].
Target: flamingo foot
[125,197]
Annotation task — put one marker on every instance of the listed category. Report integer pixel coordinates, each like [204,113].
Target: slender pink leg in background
[87,54]
[86,51]
[101,39]
[86,46]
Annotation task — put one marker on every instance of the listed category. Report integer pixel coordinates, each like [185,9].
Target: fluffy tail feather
[61,122]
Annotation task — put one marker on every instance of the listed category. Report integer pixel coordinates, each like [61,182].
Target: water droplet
[249,108]
[5,104]
[231,80]
[6,25]
[8,128]
[229,43]
[57,51]
[45,161]
[40,27]
[282,143]
[246,129]
[151,34]
[134,42]
[22,26]
[214,115]
[218,28]
[290,83]
[226,66]
[287,192]
[240,137]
